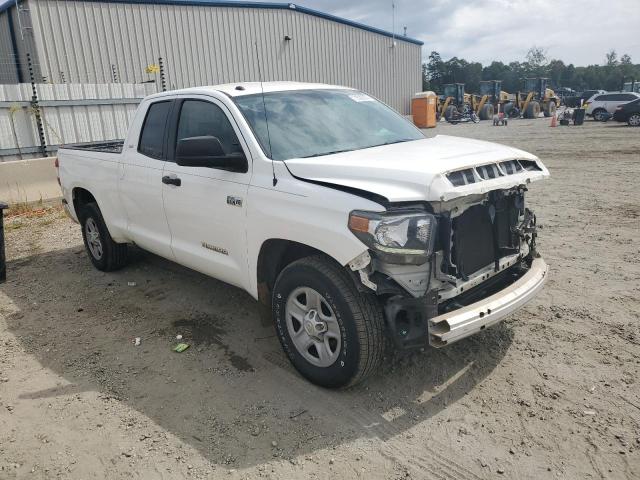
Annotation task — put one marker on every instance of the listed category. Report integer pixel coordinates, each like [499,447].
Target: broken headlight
[398,236]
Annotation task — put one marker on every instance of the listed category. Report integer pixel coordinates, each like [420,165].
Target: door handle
[171,180]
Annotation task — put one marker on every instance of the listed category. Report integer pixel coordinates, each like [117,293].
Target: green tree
[612,58]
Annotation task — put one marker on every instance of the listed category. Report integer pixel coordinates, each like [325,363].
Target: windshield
[311,123]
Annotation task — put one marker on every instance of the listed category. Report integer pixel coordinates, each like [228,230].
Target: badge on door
[234,201]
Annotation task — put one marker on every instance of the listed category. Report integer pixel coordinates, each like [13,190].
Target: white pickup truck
[327,206]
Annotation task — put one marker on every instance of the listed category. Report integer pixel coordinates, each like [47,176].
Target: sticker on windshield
[360,97]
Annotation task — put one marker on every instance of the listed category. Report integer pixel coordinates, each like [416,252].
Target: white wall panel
[206,45]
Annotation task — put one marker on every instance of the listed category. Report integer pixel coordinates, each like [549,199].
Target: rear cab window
[152,135]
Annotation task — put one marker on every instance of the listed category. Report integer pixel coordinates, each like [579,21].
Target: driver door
[206,206]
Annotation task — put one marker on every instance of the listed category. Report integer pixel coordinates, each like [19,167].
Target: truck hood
[424,169]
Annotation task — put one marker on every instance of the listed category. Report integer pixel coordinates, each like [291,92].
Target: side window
[199,118]
[152,135]
[602,98]
[627,97]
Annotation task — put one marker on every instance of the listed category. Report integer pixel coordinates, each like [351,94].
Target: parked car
[327,206]
[599,105]
[629,112]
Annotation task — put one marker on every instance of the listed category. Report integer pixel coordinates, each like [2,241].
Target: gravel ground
[552,392]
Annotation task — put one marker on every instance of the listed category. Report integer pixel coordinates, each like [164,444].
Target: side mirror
[207,152]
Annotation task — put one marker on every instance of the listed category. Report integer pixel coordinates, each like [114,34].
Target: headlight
[399,236]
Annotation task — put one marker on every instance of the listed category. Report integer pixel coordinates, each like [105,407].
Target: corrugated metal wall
[16,40]
[71,113]
[84,42]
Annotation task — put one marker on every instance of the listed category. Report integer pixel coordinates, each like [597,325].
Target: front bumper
[463,322]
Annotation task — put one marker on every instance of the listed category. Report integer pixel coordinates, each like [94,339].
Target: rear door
[207,210]
[617,99]
[140,182]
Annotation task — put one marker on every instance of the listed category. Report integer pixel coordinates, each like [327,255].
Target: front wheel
[331,332]
[105,254]
[634,120]
[487,112]
[599,114]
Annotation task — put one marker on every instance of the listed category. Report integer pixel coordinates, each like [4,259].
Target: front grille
[489,171]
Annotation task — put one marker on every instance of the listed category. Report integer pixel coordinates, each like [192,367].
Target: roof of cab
[240,89]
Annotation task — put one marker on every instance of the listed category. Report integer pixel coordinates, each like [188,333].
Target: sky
[575,31]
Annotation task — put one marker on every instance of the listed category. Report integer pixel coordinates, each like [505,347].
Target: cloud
[575,31]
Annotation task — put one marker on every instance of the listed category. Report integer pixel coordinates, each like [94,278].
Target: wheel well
[275,254]
[81,197]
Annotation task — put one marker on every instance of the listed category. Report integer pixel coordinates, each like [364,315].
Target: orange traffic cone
[554,121]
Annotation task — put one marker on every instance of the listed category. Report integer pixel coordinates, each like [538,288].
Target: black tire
[533,110]
[114,255]
[358,315]
[550,109]
[598,114]
[486,113]
[450,112]
[510,110]
[634,120]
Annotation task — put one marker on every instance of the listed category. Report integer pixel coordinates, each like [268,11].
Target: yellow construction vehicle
[452,99]
[490,100]
[455,101]
[534,98]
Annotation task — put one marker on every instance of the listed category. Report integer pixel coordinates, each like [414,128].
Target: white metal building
[202,42]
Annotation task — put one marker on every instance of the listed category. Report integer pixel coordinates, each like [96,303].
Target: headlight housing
[398,236]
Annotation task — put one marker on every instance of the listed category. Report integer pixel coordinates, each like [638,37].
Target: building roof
[6,4]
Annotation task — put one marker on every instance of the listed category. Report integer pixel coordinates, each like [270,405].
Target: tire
[550,109]
[105,254]
[510,110]
[487,112]
[533,110]
[634,120]
[598,114]
[450,112]
[351,338]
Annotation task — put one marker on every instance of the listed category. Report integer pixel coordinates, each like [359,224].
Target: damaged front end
[446,270]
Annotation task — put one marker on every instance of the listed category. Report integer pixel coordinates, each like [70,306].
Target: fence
[36,118]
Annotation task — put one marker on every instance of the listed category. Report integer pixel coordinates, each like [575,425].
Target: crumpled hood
[416,170]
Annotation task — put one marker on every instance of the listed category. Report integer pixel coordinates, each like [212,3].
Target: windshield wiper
[395,141]
[361,148]
[328,153]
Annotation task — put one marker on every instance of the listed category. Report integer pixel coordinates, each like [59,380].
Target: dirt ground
[550,393]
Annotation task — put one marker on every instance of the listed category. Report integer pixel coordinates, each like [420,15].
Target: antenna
[266,117]
[393,23]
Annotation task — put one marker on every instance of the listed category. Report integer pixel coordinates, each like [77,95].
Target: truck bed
[110,146]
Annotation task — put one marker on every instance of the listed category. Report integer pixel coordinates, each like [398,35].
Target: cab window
[199,118]
[153,130]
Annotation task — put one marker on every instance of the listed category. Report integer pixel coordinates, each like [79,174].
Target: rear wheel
[331,332]
[533,110]
[105,254]
[486,113]
[599,114]
[634,120]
